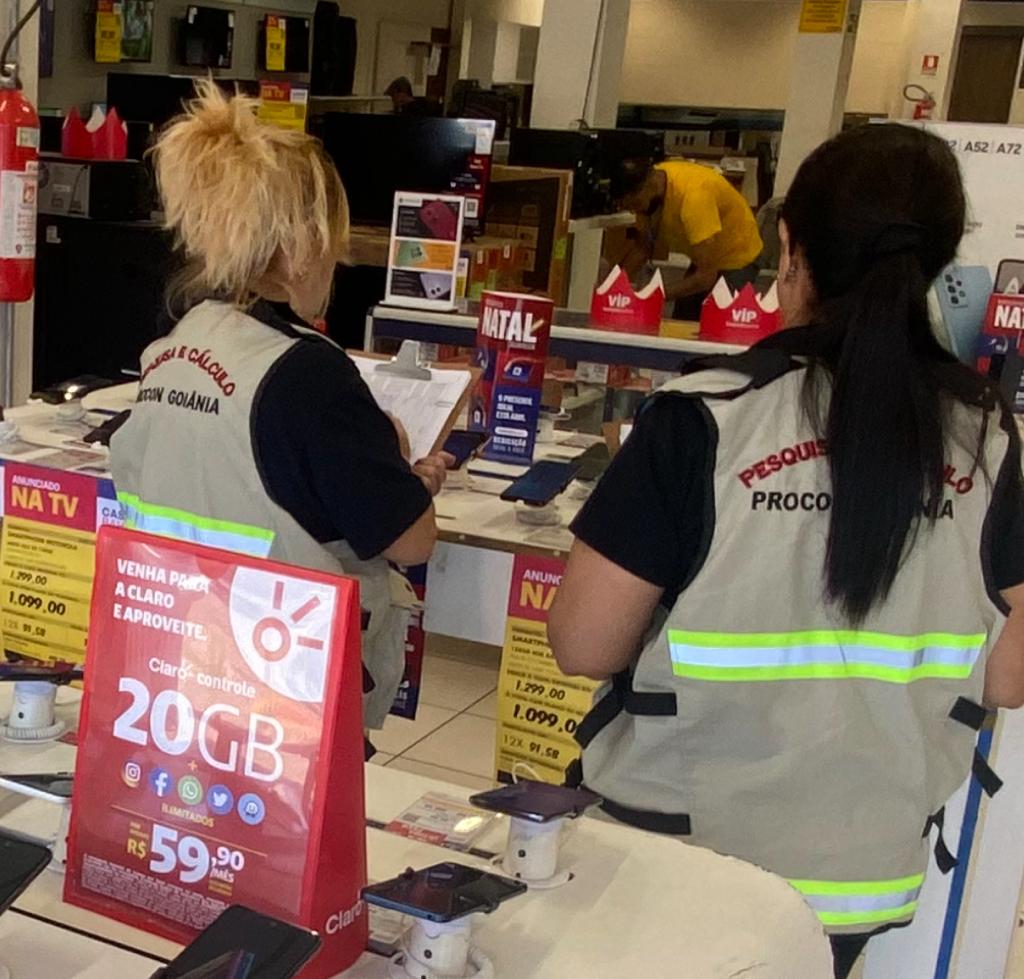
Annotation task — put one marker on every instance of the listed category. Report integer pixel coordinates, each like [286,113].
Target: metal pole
[7,351]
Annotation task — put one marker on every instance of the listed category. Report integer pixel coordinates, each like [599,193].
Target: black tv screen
[296,43]
[379,154]
[207,37]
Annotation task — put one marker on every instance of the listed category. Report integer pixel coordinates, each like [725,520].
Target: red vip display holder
[220,754]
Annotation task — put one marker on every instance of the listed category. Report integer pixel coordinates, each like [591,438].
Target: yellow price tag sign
[275,51]
[283,104]
[823,16]
[539,707]
[109,30]
[47,553]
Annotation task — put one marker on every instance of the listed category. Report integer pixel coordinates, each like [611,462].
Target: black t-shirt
[647,514]
[326,452]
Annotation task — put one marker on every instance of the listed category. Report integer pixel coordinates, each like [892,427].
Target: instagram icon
[132,774]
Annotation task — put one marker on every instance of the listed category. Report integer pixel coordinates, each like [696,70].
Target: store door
[986,75]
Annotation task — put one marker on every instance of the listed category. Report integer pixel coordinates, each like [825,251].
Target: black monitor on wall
[379,154]
[207,37]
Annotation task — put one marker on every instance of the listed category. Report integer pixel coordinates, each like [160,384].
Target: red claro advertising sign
[221,746]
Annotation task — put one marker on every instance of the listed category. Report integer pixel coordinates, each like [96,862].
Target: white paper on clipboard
[423,407]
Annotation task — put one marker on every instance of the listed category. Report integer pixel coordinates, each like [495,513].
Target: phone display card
[443,821]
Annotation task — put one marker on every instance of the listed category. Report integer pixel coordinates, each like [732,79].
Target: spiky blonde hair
[242,195]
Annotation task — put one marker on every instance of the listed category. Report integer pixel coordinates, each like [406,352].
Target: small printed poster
[275,40]
[221,745]
[109,30]
[137,36]
[823,16]
[423,262]
[539,707]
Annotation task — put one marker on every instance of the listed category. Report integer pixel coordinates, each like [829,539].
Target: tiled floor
[452,738]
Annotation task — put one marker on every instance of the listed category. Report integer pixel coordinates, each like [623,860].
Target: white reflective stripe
[761,656]
[182,530]
[862,902]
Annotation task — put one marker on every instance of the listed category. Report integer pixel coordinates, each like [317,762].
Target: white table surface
[33,949]
[640,903]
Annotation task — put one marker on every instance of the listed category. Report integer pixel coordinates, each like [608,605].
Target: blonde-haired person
[252,432]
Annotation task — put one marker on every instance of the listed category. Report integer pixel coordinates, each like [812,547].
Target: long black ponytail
[878,212]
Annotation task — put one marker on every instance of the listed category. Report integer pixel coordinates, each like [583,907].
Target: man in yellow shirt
[692,209]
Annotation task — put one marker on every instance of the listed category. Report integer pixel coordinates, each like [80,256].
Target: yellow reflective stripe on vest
[165,521]
[864,902]
[823,654]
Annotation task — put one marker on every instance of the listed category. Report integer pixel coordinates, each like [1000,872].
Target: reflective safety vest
[184,467]
[756,721]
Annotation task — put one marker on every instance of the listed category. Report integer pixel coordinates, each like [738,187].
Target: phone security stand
[531,854]
[539,516]
[435,950]
[32,717]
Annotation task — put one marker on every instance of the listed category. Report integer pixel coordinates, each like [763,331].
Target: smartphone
[1010,276]
[464,445]
[243,944]
[53,787]
[593,462]
[21,863]
[544,481]
[444,892]
[962,293]
[537,801]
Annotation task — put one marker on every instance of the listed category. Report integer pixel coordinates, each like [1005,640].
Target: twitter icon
[220,800]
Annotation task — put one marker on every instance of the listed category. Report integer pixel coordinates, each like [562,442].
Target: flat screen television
[379,154]
[296,43]
[207,37]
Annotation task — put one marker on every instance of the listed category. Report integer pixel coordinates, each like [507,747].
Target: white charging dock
[436,950]
[531,854]
[32,718]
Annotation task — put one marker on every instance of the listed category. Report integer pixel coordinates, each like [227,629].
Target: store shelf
[602,222]
[572,342]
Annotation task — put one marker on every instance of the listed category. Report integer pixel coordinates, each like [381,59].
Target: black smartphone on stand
[444,892]
[243,944]
[542,483]
[538,802]
[21,863]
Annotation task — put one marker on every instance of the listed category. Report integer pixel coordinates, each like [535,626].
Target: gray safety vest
[759,724]
[184,467]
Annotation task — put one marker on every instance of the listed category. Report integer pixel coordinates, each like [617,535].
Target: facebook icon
[159,782]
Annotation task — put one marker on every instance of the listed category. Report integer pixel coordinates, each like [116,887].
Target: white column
[579,63]
[932,30]
[817,94]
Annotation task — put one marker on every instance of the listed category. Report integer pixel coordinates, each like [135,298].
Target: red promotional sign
[51,496]
[512,339]
[221,744]
[617,306]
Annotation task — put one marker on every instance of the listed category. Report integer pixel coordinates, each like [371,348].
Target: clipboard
[426,400]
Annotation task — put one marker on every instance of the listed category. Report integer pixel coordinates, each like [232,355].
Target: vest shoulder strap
[727,376]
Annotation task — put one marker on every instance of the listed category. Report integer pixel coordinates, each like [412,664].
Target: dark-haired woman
[803,572]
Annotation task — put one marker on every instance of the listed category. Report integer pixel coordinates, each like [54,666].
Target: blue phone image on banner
[963,293]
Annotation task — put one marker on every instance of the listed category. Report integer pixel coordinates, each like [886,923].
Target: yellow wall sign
[823,16]
[109,28]
[539,708]
[275,31]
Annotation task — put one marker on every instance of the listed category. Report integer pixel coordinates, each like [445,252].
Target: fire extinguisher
[19,176]
[924,101]
[19,179]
